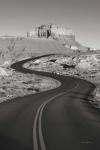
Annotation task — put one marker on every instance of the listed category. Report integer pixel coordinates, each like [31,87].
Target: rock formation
[51,30]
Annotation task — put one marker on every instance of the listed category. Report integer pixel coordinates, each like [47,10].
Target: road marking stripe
[35,142]
[41,139]
[38,117]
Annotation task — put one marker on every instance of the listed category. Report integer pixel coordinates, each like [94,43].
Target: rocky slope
[15,49]
[14,84]
[86,66]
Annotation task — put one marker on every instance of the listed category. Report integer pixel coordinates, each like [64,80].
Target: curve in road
[59,119]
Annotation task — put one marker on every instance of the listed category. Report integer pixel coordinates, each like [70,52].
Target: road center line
[38,117]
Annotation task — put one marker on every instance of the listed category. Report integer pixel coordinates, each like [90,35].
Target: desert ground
[66,61]
[85,66]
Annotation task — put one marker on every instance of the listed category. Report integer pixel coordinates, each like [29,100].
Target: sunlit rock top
[51,30]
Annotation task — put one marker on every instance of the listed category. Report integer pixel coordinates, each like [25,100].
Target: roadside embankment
[16,84]
[84,66]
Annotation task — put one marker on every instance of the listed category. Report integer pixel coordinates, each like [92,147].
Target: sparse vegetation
[15,49]
[18,84]
[84,66]
[75,63]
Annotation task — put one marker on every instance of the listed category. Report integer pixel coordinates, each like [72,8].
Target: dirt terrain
[85,66]
[67,61]
[14,84]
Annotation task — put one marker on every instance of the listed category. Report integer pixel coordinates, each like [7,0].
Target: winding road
[58,119]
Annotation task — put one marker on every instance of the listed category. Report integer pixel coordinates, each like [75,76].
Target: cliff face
[62,32]
[51,30]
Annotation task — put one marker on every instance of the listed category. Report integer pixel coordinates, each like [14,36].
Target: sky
[83,16]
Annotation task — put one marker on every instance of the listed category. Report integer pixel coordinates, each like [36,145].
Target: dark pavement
[59,119]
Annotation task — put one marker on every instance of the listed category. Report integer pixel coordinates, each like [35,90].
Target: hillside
[70,43]
[14,49]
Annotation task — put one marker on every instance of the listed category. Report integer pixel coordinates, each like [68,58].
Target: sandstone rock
[50,30]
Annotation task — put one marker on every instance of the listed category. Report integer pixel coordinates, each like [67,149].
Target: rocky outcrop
[51,30]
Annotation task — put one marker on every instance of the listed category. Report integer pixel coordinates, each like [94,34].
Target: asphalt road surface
[59,119]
